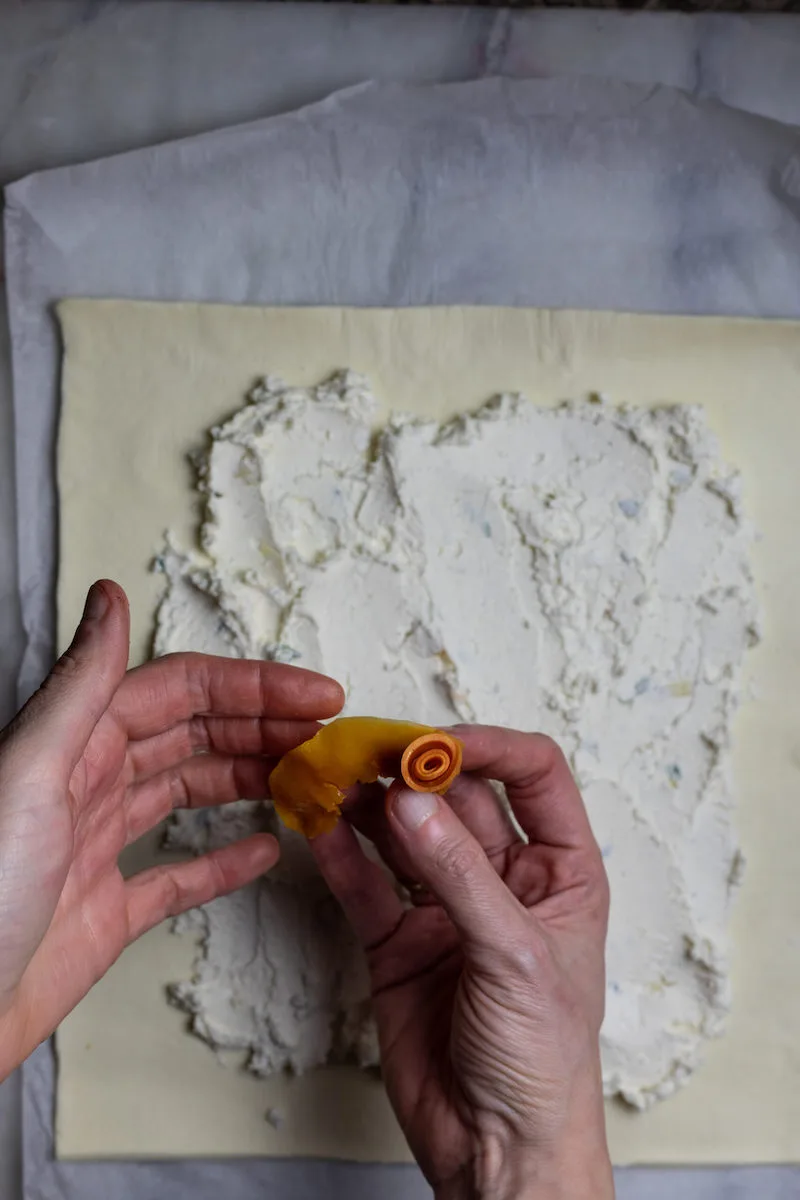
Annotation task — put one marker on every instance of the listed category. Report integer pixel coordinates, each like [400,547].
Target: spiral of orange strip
[431,762]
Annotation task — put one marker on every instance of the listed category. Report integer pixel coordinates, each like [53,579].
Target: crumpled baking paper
[548,192]
[545,192]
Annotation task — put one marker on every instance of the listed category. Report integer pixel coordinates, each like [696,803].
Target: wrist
[576,1166]
[583,1175]
[579,1172]
[503,1174]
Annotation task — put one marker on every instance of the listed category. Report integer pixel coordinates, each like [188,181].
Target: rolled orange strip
[431,762]
[309,783]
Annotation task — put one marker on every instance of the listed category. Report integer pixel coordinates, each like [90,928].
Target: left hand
[94,760]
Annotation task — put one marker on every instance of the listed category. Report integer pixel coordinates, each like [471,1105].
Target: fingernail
[97,603]
[412,809]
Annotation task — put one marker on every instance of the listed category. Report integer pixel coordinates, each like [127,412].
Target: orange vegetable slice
[309,783]
[431,762]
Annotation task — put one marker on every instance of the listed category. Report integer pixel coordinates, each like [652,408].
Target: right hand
[488,992]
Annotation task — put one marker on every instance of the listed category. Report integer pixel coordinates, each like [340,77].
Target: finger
[473,800]
[478,808]
[368,899]
[169,690]
[539,784]
[64,711]
[452,864]
[365,810]
[167,891]
[219,735]
[195,783]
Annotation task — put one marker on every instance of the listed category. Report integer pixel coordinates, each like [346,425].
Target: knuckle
[178,789]
[199,735]
[580,868]
[458,859]
[171,895]
[67,667]
[547,748]
[521,959]
[543,758]
[590,873]
[523,962]
[185,658]
[547,754]
[180,898]
[217,880]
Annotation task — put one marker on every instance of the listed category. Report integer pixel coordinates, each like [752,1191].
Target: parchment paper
[543,192]
[130,253]
[141,384]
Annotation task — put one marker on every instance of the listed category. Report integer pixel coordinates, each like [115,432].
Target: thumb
[62,714]
[451,864]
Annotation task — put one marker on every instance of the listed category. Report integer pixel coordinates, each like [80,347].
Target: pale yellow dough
[142,382]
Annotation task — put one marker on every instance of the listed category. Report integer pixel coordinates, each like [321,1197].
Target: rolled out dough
[141,383]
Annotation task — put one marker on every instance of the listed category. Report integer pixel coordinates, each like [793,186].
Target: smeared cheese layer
[581,570]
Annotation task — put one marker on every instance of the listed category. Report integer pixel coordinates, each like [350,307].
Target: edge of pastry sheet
[151,378]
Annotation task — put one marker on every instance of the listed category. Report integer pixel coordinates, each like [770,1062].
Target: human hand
[94,760]
[488,992]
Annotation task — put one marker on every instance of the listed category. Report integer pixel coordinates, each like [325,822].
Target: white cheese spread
[581,570]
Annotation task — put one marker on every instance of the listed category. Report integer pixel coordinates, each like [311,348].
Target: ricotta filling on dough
[582,571]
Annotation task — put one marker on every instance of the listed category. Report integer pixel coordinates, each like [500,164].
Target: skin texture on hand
[489,990]
[97,758]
